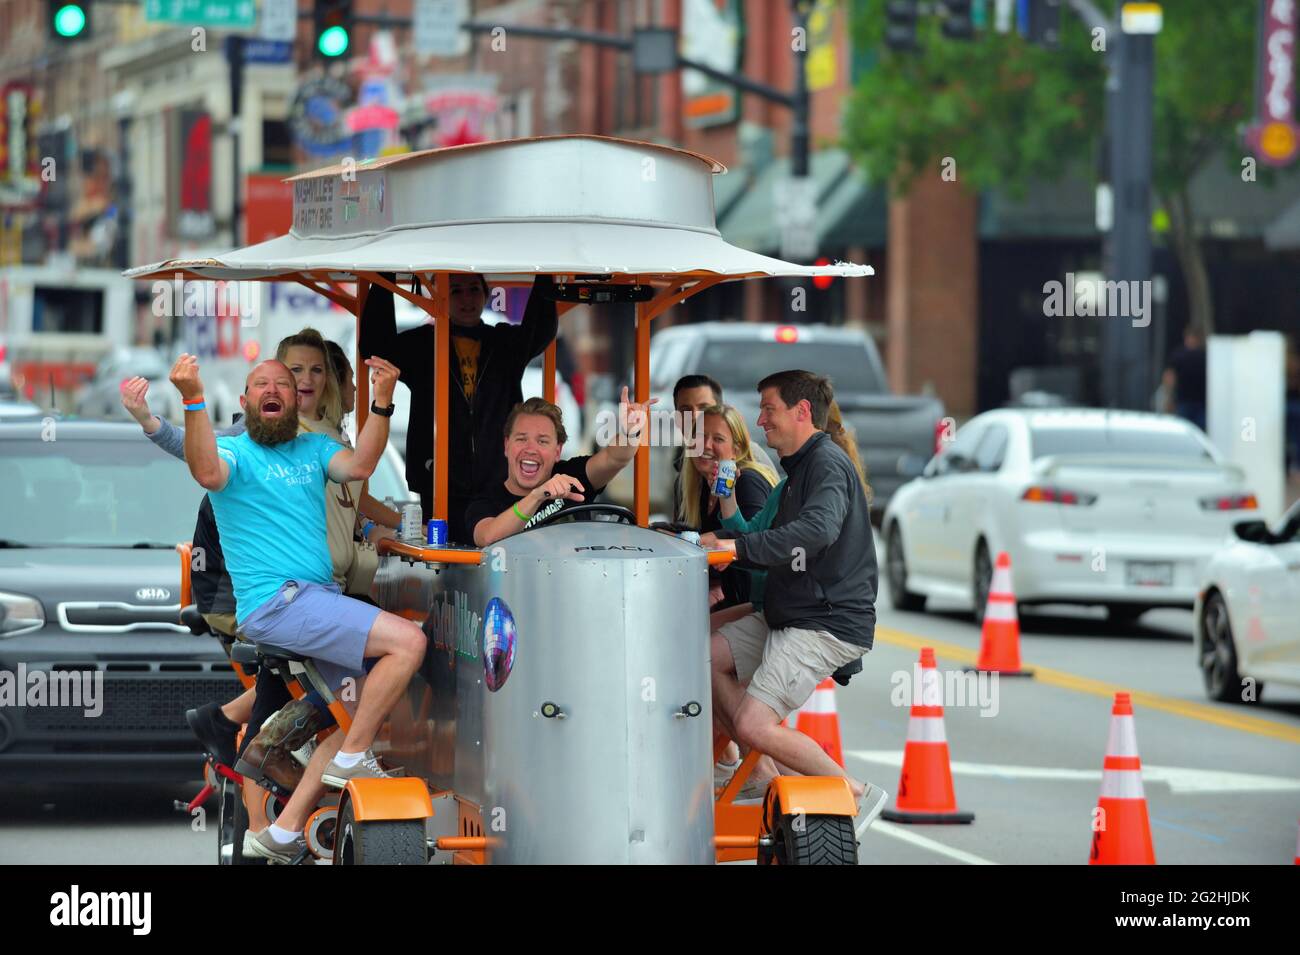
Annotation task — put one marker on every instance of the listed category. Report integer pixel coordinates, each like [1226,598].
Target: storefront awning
[850,211]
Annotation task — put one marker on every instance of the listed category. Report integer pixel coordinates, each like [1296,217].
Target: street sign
[436,27]
[279,21]
[268,51]
[208,13]
[796,216]
[1274,136]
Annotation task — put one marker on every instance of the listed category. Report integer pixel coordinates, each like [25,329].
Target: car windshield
[94,493]
[1159,441]
[740,365]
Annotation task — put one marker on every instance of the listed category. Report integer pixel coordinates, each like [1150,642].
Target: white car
[1117,508]
[1247,623]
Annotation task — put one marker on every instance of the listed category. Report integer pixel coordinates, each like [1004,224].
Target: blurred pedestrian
[1184,378]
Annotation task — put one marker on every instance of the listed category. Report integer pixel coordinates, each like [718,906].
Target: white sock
[347,760]
[283,836]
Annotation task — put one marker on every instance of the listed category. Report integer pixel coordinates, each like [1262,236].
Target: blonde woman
[725,439]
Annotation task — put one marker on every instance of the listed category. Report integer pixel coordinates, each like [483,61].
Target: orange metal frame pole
[548,373]
[441,392]
[641,474]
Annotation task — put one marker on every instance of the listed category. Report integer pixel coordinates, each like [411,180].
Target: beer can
[436,533]
[726,478]
[412,518]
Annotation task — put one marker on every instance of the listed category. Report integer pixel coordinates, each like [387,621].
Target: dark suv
[89,587]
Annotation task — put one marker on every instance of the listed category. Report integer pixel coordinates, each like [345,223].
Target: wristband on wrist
[515,507]
[197,400]
[198,407]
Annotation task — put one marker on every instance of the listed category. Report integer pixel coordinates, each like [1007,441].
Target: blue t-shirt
[271,515]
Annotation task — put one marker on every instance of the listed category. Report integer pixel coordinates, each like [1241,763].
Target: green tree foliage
[1011,113]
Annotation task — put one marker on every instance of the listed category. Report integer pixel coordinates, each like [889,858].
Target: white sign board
[279,20]
[1245,411]
[435,27]
[796,216]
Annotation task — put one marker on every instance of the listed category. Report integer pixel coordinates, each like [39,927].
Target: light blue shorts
[317,621]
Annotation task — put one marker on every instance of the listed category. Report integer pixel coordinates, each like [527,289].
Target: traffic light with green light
[68,21]
[333,20]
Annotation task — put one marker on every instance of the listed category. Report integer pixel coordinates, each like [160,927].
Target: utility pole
[1128,350]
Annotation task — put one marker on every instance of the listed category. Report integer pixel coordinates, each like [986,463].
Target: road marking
[1163,824]
[1082,684]
[902,833]
[1179,779]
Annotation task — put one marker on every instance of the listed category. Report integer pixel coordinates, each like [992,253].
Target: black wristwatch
[383,412]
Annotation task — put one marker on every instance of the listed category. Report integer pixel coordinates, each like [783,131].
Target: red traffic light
[823,282]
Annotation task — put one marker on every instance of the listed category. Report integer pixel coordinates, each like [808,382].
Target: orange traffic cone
[1000,635]
[817,718]
[1121,833]
[925,792]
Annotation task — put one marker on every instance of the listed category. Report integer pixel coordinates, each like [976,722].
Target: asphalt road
[1222,782]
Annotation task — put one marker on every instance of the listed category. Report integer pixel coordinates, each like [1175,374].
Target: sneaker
[366,768]
[870,805]
[753,791]
[263,844]
[303,753]
[722,773]
[214,731]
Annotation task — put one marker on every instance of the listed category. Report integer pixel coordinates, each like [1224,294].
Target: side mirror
[1256,532]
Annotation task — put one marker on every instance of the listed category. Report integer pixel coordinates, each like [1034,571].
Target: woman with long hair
[725,438]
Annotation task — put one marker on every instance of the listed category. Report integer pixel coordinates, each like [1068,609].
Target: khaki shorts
[221,622]
[784,666]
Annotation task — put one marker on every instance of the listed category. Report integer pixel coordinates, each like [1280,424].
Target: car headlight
[20,614]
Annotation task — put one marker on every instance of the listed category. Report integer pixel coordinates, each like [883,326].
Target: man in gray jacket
[819,608]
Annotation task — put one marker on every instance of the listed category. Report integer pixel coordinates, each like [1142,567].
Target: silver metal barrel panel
[609,623]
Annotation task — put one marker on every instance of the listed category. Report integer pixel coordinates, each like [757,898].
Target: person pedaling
[818,611]
[279,729]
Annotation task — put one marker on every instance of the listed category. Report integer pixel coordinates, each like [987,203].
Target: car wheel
[1219,653]
[982,580]
[900,598]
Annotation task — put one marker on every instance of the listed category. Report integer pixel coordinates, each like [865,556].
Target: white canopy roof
[569,205]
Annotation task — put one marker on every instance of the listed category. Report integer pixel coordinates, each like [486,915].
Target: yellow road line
[1082,684]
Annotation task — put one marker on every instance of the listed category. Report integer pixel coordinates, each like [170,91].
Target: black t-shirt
[1189,368]
[501,498]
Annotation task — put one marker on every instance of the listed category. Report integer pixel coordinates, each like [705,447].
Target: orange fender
[405,797]
[814,795]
